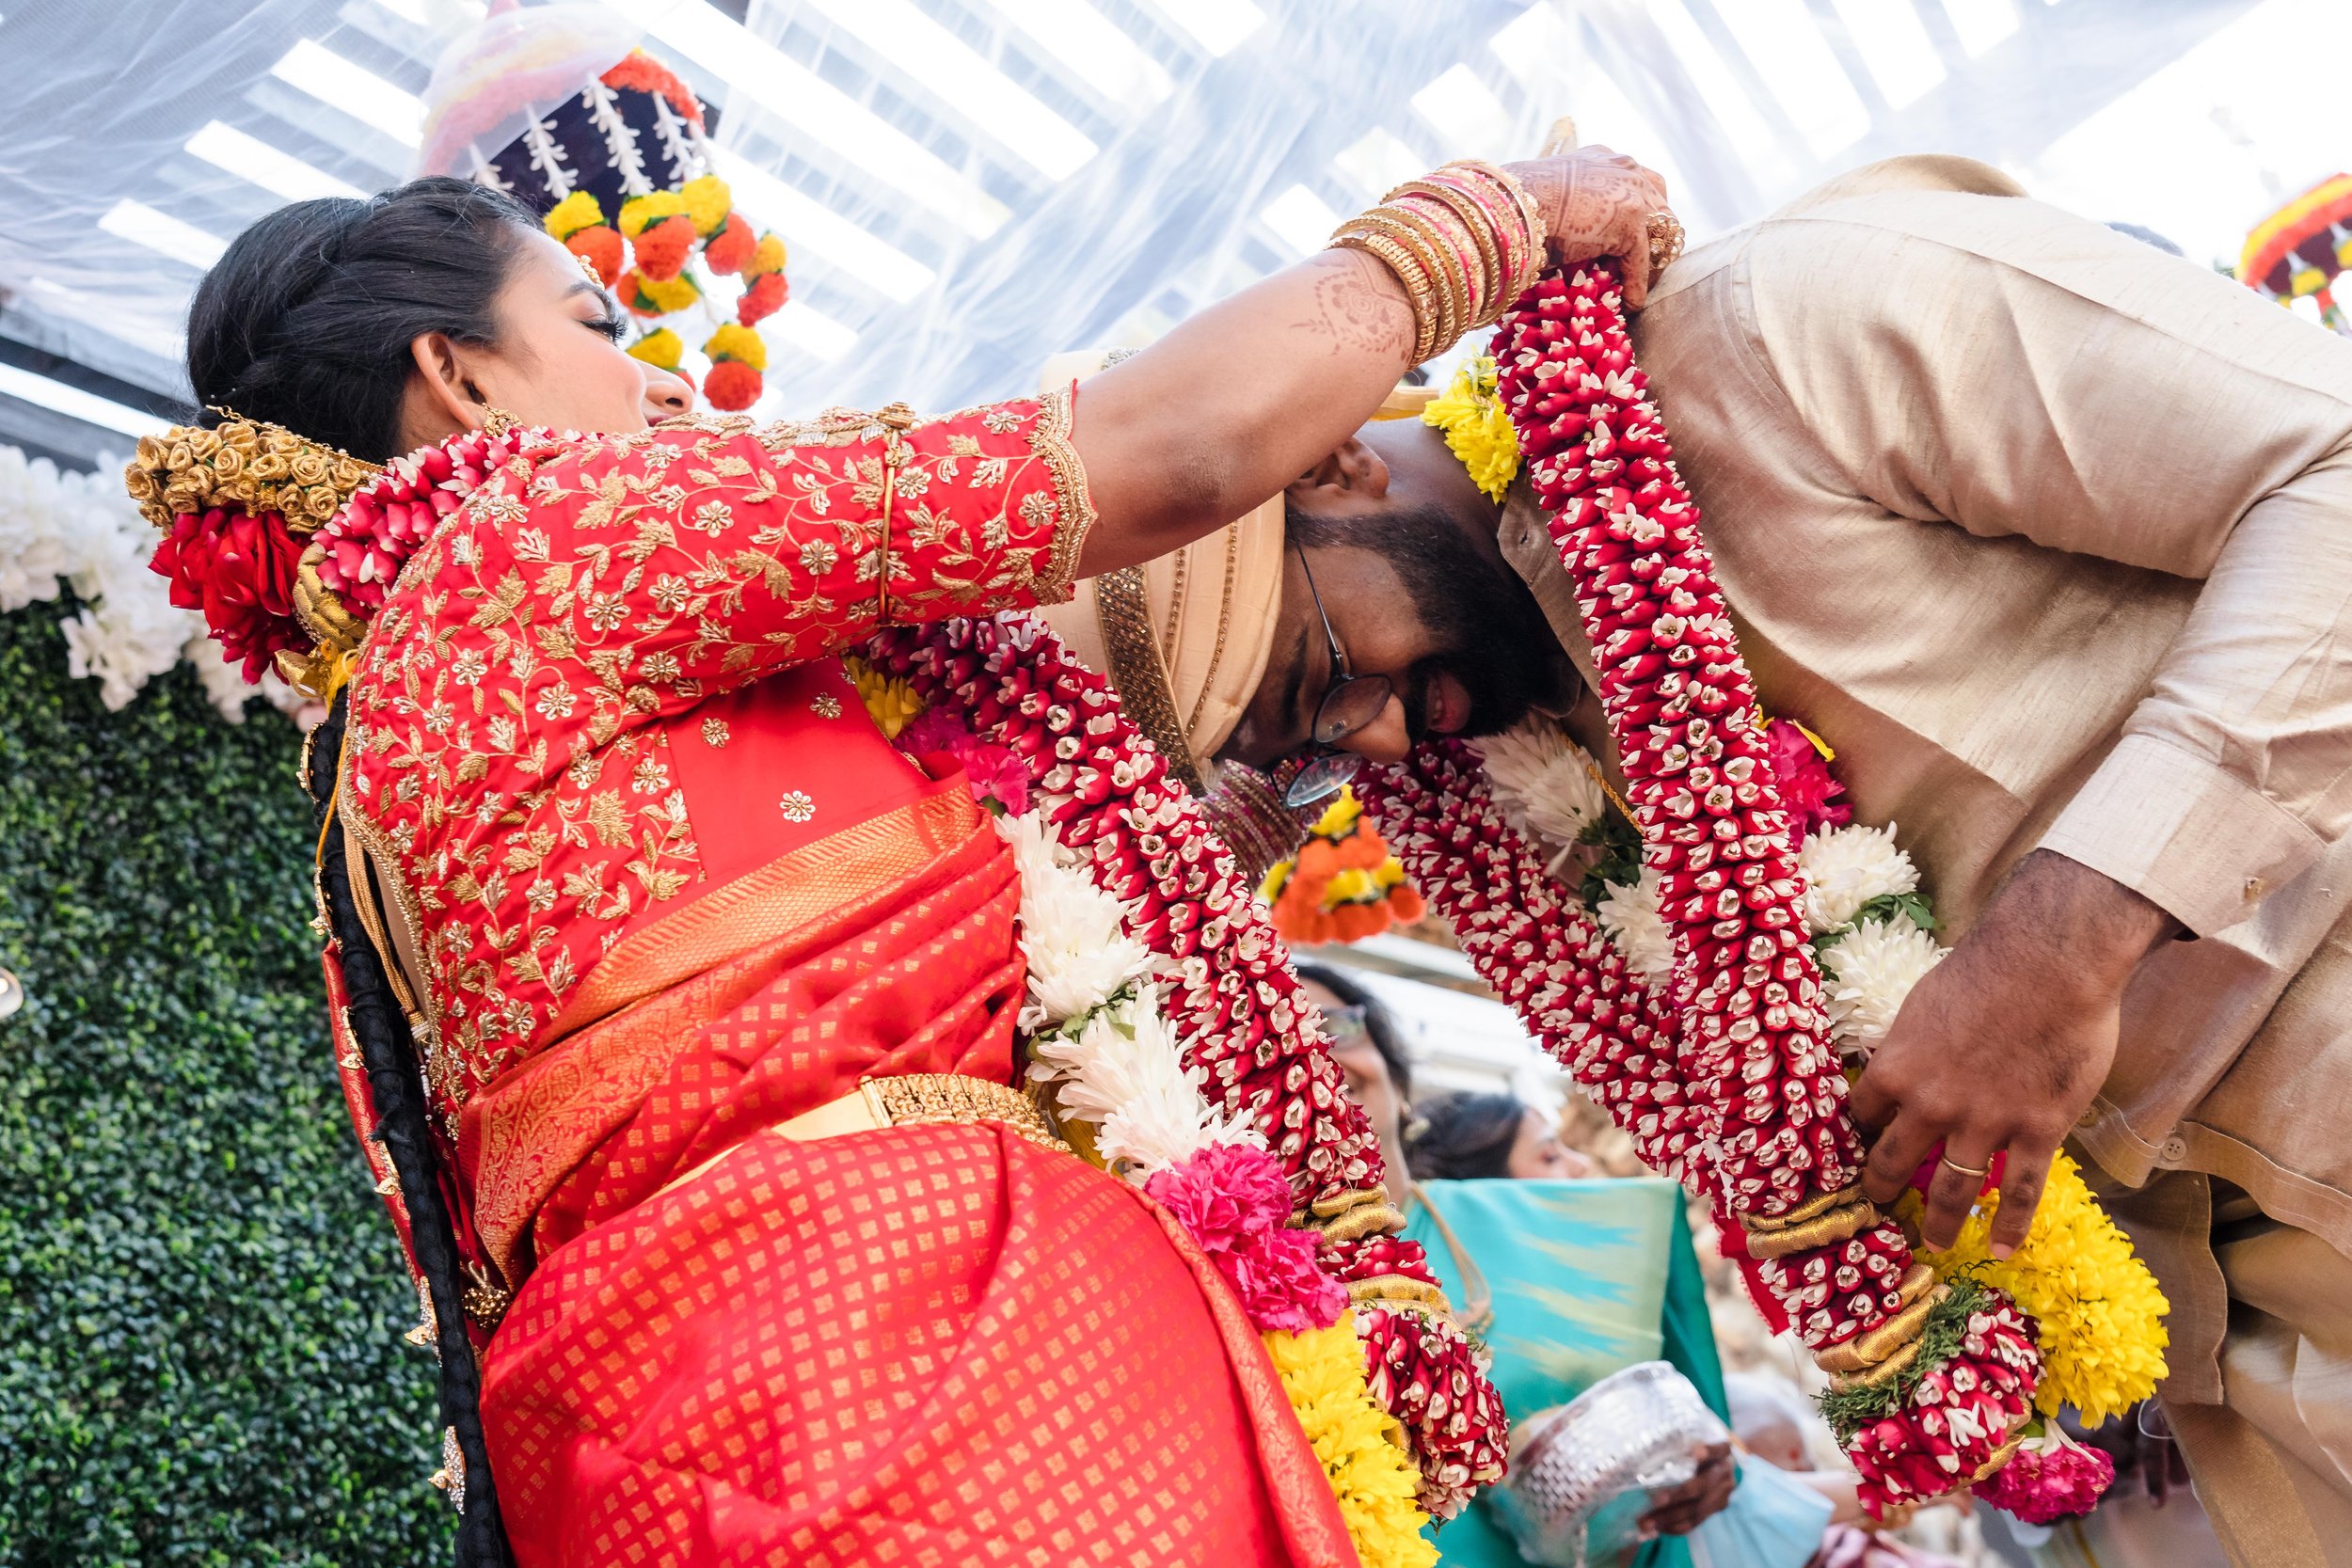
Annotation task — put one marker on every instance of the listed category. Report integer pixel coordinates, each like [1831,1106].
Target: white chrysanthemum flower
[1122,1074]
[1869,970]
[1074,933]
[1844,869]
[1543,781]
[1630,916]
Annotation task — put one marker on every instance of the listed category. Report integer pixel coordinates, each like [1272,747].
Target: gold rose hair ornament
[289,547]
[236,505]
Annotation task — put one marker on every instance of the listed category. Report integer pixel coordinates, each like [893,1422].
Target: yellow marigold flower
[707,202]
[664,295]
[639,210]
[1371,1474]
[767,256]
[1339,818]
[662,348]
[2101,1315]
[1477,430]
[573,213]
[889,699]
[736,342]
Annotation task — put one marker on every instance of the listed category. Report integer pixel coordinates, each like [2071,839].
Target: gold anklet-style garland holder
[1821,1221]
[1353,1214]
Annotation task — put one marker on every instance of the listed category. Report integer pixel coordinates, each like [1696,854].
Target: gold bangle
[1417,290]
[1457,252]
[1536,232]
[1451,291]
[1492,301]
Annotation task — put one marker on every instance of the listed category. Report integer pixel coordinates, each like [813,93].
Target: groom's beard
[1483,625]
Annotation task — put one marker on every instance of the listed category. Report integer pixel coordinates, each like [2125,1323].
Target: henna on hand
[1360,307]
[1596,202]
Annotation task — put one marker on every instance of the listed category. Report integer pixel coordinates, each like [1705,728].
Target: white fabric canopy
[970,186]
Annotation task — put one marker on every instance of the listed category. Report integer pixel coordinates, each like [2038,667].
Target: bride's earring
[498,422]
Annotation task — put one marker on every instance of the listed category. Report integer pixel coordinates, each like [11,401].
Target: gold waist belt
[911,1100]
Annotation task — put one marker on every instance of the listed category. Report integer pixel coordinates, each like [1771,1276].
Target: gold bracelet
[1492,301]
[1417,289]
[1535,232]
[1447,282]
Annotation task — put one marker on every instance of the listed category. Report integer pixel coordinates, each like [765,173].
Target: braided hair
[388,1051]
[305,321]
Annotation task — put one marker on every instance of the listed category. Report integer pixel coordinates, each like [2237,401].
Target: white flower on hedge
[1844,869]
[1630,916]
[1121,1072]
[1074,933]
[1542,781]
[1869,970]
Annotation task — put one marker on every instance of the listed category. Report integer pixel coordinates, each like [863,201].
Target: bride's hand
[1597,202]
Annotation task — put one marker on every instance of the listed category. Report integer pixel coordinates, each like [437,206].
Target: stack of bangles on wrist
[1465,241]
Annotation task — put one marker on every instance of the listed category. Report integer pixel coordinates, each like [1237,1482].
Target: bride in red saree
[759,1253]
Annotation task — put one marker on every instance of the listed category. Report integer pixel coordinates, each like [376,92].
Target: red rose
[239,570]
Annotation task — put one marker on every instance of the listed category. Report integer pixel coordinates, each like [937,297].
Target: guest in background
[1470,1137]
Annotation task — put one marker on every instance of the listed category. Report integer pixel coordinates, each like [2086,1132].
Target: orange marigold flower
[600,245]
[732,386]
[662,248]
[764,298]
[644,73]
[732,246]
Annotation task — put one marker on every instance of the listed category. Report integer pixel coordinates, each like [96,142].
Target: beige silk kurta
[2050,533]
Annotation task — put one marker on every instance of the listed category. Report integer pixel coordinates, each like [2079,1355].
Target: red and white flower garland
[1728,1079]
[1231,997]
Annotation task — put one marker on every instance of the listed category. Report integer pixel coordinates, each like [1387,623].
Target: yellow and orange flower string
[1343,886]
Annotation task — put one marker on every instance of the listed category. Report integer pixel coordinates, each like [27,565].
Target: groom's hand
[2003,1045]
[1598,203]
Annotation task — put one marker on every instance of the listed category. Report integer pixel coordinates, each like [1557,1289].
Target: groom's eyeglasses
[1349,702]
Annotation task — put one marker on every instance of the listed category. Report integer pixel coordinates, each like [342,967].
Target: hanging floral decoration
[1186,1058]
[1343,886]
[645,250]
[1685,990]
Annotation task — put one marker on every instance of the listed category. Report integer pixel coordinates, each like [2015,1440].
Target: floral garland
[1343,886]
[1245,1036]
[1725,1074]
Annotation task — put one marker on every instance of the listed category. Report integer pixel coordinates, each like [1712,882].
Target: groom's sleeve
[2012,369]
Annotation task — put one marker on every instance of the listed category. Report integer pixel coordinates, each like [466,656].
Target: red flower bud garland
[1729,1081]
[1233,997]
[391,517]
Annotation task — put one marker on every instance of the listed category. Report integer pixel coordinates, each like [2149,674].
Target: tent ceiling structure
[970,186]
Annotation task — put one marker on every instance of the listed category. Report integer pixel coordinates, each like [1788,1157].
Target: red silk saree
[663,885]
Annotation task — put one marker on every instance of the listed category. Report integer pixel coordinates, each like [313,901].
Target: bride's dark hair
[305,321]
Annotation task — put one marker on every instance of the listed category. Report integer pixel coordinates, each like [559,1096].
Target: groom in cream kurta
[2050,533]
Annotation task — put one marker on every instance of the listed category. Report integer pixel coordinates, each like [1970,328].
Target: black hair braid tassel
[390,1052]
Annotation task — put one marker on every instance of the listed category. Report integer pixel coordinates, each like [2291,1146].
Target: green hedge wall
[200,1301]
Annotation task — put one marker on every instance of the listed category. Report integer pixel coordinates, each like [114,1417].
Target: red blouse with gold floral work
[514,759]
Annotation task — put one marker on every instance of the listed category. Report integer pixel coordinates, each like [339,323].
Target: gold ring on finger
[1979,1172]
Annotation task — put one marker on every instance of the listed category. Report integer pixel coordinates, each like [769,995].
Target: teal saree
[1582,1278]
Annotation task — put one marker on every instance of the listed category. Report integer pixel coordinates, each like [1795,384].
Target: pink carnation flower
[992,772]
[2040,1485]
[1234,1201]
[1806,788]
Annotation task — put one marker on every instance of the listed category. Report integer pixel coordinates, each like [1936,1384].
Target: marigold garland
[1343,886]
[1477,429]
[1323,1371]
[2100,1311]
